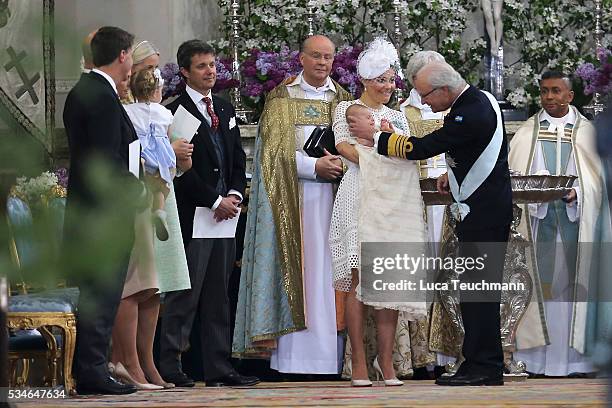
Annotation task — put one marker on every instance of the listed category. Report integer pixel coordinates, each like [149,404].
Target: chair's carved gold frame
[44,322]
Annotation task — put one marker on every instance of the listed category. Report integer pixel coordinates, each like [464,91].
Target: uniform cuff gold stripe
[399,145]
[392,145]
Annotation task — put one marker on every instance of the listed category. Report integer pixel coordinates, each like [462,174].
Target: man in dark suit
[99,131]
[473,125]
[216,180]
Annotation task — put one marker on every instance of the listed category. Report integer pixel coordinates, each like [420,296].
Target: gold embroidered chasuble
[281,116]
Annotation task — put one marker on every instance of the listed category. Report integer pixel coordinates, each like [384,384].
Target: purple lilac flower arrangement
[174,83]
[62,176]
[224,75]
[597,78]
[173,80]
[264,70]
[344,70]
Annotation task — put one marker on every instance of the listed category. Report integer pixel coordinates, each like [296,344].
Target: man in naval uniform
[473,140]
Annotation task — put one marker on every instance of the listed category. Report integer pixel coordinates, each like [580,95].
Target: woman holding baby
[391,211]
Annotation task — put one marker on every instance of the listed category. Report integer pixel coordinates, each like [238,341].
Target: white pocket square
[232,123]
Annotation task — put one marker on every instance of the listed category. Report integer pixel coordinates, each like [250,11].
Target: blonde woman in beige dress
[155,267]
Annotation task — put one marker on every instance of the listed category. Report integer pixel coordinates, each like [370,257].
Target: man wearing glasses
[286,272]
[473,139]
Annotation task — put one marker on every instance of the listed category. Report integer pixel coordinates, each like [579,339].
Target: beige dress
[141,274]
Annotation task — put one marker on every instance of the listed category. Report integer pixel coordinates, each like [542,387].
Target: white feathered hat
[376,59]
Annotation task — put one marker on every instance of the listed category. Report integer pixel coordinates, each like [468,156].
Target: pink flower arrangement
[597,78]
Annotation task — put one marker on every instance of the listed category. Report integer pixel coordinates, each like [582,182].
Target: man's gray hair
[441,74]
[419,60]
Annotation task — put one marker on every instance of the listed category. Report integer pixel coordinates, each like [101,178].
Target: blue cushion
[55,300]
[34,341]
[68,294]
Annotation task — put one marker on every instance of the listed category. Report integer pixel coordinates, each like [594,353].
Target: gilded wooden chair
[42,324]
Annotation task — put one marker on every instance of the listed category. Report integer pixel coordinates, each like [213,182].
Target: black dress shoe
[108,386]
[438,371]
[232,379]
[179,379]
[443,379]
[421,373]
[471,379]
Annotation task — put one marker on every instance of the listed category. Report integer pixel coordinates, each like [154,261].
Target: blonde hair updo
[143,85]
[142,51]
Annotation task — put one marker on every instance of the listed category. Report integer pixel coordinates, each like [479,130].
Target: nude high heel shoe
[122,374]
[361,383]
[391,382]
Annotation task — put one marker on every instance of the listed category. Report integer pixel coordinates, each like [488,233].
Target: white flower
[34,188]
[518,98]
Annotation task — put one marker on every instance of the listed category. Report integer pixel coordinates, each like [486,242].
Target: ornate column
[310,17]
[397,39]
[242,113]
[596,107]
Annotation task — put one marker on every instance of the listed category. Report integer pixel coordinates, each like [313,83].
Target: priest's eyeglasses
[318,56]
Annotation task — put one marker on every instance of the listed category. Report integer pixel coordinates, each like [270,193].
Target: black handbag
[320,139]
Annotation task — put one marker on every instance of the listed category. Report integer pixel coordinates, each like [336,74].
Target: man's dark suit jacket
[197,186]
[468,128]
[97,126]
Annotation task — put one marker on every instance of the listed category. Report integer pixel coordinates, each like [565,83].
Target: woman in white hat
[385,206]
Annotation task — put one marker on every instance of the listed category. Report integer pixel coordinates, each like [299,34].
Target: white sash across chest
[480,170]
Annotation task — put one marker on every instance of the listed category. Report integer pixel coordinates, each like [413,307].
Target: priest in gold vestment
[286,304]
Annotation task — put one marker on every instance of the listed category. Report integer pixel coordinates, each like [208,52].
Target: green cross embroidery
[311,112]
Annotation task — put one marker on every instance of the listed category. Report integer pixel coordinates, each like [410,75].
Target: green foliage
[552,35]
[425,24]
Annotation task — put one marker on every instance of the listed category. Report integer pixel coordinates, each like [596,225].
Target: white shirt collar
[569,118]
[464,89]
[299,80]
[414,99]
[196,96]
[107,77]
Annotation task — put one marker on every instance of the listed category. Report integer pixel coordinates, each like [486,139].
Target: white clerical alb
[314,350]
